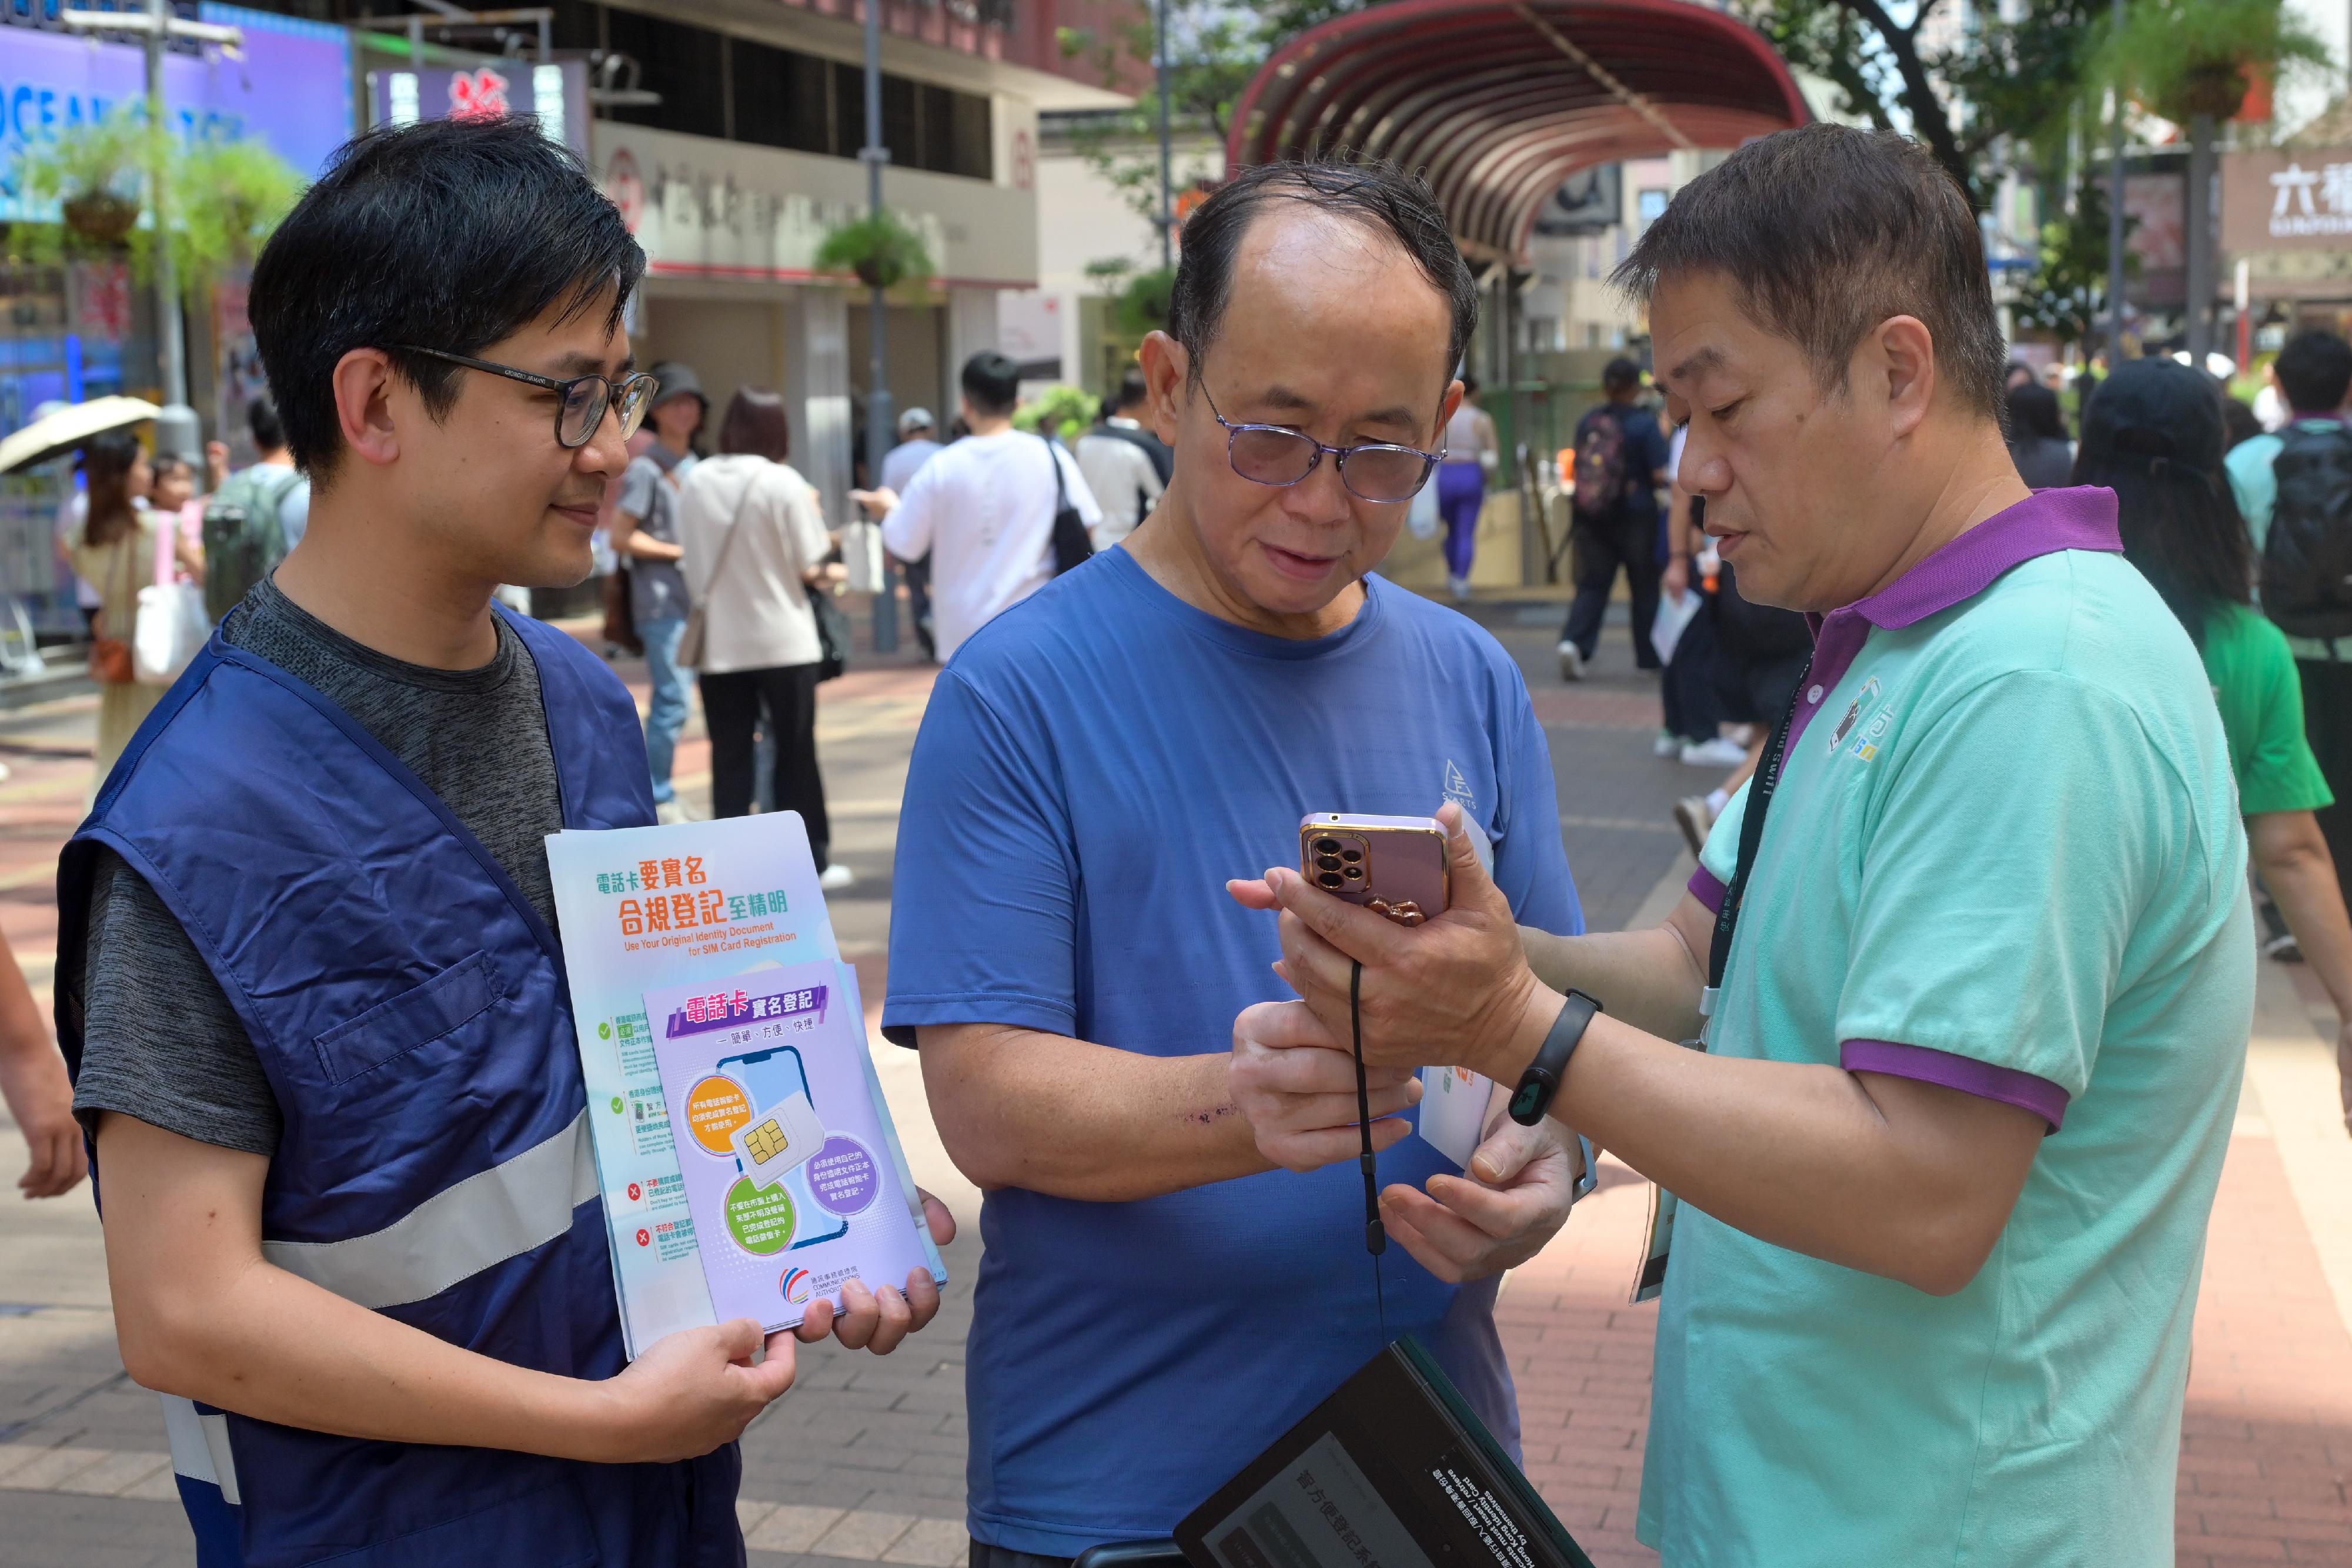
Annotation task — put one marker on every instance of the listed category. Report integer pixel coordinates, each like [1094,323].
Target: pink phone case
[1395,864]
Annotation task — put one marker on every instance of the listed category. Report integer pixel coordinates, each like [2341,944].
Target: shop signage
[290,87]
[719,210]
[555,92]
[2279,200]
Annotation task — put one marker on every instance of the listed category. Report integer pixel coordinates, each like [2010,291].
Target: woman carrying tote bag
[755,542]
[111,546]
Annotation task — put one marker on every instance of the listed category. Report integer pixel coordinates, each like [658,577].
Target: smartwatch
[1540,1082]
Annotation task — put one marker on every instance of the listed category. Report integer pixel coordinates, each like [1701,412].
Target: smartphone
[770,1077]
[1395,866]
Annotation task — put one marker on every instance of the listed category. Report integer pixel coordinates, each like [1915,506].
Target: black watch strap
[1540,1082]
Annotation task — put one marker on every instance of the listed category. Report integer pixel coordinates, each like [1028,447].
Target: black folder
[1395,1470]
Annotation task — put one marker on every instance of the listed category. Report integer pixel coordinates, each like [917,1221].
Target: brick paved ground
[2268,1445]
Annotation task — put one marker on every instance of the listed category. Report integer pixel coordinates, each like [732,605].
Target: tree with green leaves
[2192,62]
[2000,78]
[2067,295]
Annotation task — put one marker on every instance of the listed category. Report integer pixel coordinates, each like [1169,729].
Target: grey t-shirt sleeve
[160,1042]
[637,482]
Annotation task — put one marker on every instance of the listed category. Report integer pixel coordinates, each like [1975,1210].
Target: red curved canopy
[1499,101]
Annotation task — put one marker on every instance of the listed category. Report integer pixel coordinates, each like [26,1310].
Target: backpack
[243,538]
[2308,556]
[1600,468]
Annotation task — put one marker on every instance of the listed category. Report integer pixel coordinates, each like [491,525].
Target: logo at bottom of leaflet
[797,1285]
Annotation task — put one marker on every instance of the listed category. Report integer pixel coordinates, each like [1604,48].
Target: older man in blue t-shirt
[1156,1304]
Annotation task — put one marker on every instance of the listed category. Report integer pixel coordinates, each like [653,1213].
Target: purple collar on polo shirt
[2082,518]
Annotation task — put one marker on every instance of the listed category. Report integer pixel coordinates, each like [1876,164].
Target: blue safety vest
[411,1010]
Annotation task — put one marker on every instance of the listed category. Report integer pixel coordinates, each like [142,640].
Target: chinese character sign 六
[2306,201]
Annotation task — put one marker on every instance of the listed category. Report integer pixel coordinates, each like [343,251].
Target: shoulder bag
[172,624]
[1072,547]
[109,657]
[697,630]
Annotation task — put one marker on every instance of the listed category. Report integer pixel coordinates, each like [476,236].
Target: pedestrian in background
[2037,437]
[112,548]
[899,466]
[2314,373]
[646,537]
[254,516]
[983,508]
[180,518]
[755,541]
[1621,461]
[1126,465]
[1473,457]
[2155,435]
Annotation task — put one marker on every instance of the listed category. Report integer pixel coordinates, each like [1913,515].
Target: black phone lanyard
[1751,834]
[1376,1234]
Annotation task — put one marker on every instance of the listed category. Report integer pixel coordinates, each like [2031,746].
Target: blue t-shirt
[1093,765]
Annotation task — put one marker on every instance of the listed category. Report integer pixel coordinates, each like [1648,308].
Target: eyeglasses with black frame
[581,401]
[1279,456]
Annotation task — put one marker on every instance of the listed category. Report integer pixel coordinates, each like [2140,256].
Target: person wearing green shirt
[1973,955]
[2154,436]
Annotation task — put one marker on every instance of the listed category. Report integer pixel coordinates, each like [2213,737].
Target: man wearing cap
[646,538]
[916,445]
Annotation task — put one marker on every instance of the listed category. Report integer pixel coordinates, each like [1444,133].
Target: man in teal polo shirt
[1974,1047]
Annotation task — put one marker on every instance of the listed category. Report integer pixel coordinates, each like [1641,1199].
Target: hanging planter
[93,172]
[100,218]
[881,248]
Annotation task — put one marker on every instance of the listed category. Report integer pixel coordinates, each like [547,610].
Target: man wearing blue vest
[1971,956]
[308,976]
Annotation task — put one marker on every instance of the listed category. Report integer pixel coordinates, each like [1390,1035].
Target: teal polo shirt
[2004,856]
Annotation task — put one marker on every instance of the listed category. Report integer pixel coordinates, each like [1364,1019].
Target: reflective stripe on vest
[500,1213]
[200,1449]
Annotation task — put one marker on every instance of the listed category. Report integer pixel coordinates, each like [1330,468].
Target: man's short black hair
[992,382]
[1378,195]
[1132,390]
[2314,372]
[447,234]
[1621,374]
[1826,232]
[261,418]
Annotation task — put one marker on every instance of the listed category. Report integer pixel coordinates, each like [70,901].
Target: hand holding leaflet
[676,925]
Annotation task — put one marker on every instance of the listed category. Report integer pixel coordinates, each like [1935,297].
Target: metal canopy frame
[1499,101]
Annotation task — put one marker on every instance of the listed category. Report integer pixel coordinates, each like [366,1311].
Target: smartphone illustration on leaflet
[771,1077]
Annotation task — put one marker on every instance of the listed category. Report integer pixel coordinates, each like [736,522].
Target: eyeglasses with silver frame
[581,401]
[1279,456]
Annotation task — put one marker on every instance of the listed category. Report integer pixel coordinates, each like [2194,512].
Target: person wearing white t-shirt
[983,508]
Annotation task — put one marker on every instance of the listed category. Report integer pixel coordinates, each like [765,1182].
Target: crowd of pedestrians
[1934,1194]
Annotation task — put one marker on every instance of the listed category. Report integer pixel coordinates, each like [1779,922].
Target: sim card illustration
[779,1140]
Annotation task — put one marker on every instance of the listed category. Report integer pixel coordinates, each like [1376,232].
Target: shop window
[971,141]
[780,97]
[683,64]
[848,108]
[902,131]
